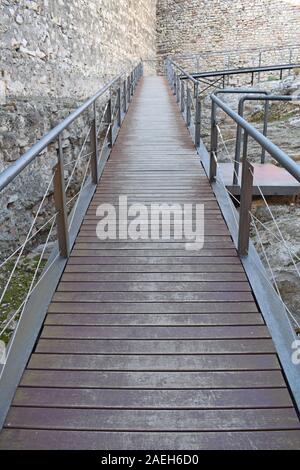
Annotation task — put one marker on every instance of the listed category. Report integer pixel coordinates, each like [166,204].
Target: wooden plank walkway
[147,345]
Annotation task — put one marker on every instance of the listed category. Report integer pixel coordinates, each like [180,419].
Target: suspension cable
[26,240]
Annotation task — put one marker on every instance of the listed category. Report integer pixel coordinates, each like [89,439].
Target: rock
[19,19]
[9,144]
[294,122]
[48,250]
[12,199]
[2,92]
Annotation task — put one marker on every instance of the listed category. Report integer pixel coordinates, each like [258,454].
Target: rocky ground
[283,130]
[17,290]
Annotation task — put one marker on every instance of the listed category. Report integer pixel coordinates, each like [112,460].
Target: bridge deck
[147,345]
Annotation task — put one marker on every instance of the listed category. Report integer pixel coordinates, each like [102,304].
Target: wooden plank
[148,268]
[154,420]
[153,308]
[146,379]
[165,362]
[147,243]
[154,332]
[18,439]
[153,399]
[153,297]
[109,346]
[167,260]
[152,277]
[150,286]
[94,319]
[83,244]
[230,252]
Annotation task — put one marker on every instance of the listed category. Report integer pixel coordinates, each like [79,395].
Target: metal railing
[258,56]
[103,125]
[181,81]
[247,169]
[279,315]
[189,92]
[124,90]
[188,95]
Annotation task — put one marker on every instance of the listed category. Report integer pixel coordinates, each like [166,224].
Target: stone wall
[67,48]
[195,26]
[53,55]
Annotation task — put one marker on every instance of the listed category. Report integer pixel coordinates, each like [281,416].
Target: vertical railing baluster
[213,144]
[128,90]
[238,140]
[188,106]
[124,97]
[109,121]
[174,82]
[60,203]
[178,89]
[246,202]
[182,96]
[265,129]
[131,83]
[119,107]
[197,121]
[94,147]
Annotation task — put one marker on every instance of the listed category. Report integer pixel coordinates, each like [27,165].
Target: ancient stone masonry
[54,54]
[67,48]
[195,26]
[53,51]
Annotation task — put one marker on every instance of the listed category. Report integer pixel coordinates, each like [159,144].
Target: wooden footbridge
[145,344]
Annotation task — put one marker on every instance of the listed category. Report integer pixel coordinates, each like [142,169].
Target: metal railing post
[60,203]
[124,97]
[94,149]
[109,122]
[178,89]
[119,107]
[128,90]
[239,133]
[265,129]
[198,122]
[174,83]
[131,84]
[246,202]
[182,97]
[188,106]
[213,144]
[196,89]
[238,140]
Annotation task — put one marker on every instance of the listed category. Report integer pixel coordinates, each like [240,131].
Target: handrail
[265,143]
[233,51]
[279,155]
[243,70]
[185,97]
[270,303]
[15,168]
[189,76]
[113,117]
[249,92]
[68,220]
